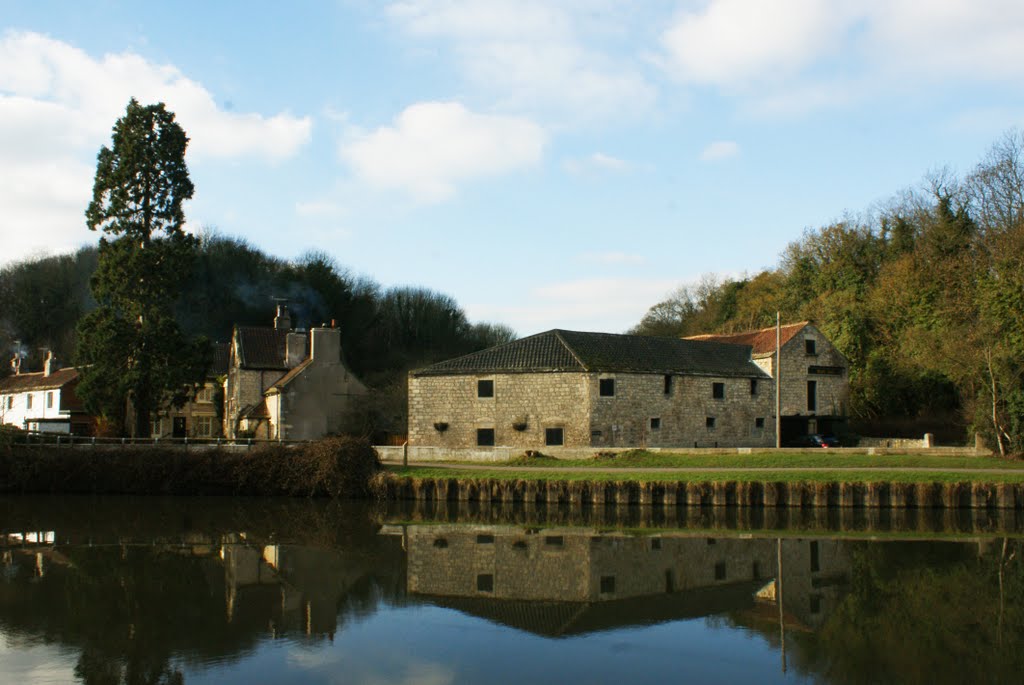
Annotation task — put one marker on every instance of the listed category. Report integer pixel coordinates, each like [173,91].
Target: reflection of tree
[924,613]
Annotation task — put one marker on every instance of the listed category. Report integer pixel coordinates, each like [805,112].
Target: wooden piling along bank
[859,508]
[802,495]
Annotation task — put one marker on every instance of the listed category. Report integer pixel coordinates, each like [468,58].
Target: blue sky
[547,163]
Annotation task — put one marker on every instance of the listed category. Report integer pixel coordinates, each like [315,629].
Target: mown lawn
[820,459]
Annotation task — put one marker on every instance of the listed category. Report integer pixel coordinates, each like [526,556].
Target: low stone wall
[882,495]
[891,442]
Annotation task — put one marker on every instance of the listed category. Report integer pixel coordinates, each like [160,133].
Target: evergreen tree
[131,348]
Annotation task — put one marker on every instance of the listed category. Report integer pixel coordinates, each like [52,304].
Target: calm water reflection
[122,590]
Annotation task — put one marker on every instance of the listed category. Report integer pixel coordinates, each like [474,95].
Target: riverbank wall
[673,494]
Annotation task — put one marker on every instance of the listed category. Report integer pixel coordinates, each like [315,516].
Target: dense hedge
[332,467]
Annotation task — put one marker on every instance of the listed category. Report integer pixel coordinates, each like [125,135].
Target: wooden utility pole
[778,380]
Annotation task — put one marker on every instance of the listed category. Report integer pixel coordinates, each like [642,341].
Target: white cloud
[433,146]
[57,107]
[736,42]
[595,163]
[791,56]
[532,53]
[597,304]
[719,150]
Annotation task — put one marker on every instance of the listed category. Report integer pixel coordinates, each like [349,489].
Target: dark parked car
[815,440]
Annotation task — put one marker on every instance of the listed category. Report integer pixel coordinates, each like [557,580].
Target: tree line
[924,295]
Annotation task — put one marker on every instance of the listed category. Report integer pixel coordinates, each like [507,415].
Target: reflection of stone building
[574,580]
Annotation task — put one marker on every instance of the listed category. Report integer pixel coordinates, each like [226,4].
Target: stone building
[44,401]
[573,389]
[200,417]
[815,376]
[287,384]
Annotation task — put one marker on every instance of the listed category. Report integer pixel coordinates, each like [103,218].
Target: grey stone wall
[571,401]
[833,391]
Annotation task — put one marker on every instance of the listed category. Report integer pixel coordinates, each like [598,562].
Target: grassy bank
[816,459]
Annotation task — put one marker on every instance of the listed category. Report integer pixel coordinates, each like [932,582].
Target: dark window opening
[519,544]
[655,424]
[484,539]
[485,437]
[485,582]
[607,585]
[595,434]
[711,541]
[815,604]
[485,388]
[815,558]
[607,387]
[812,395]
[554,540]
[655,543]
[810,347]
[668,384]
[710,423]
[756,570]
[720,571]
[753,386]
[554,436]
[670,585]
[718,391]
[759,423]
[440,543]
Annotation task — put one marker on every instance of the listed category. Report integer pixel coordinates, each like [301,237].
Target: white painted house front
[43,401]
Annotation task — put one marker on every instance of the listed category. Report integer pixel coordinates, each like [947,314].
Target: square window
[485,437]
[554,540]
[485,582]
[718,391]
[753,386]
[759,423]
[655,543]
[810,346]
[709,422]
[655,424]
[668,384]
[607,387]
[485,388]
[202,427]
[554,436]
[607,585]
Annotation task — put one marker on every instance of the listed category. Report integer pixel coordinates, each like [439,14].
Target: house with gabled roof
[287,384]
[815,380]
[44,401]
[578,389]
[200,417]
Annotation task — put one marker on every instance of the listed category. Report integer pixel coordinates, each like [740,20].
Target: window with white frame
[202,426]
[49,400]
[205,395]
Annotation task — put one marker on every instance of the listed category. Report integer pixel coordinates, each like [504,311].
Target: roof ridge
[558,334]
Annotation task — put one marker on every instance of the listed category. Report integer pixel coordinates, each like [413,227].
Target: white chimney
[49,364]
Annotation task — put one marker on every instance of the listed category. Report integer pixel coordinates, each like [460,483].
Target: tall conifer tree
[131,349]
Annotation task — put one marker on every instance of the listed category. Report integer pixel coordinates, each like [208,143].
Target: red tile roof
[25,382]
[763,340]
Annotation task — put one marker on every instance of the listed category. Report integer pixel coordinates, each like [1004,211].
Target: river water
[171,591]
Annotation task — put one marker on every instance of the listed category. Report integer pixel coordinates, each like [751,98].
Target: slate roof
[26,382]
[221,359]
[559,350]
[261,347]
[762,341]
